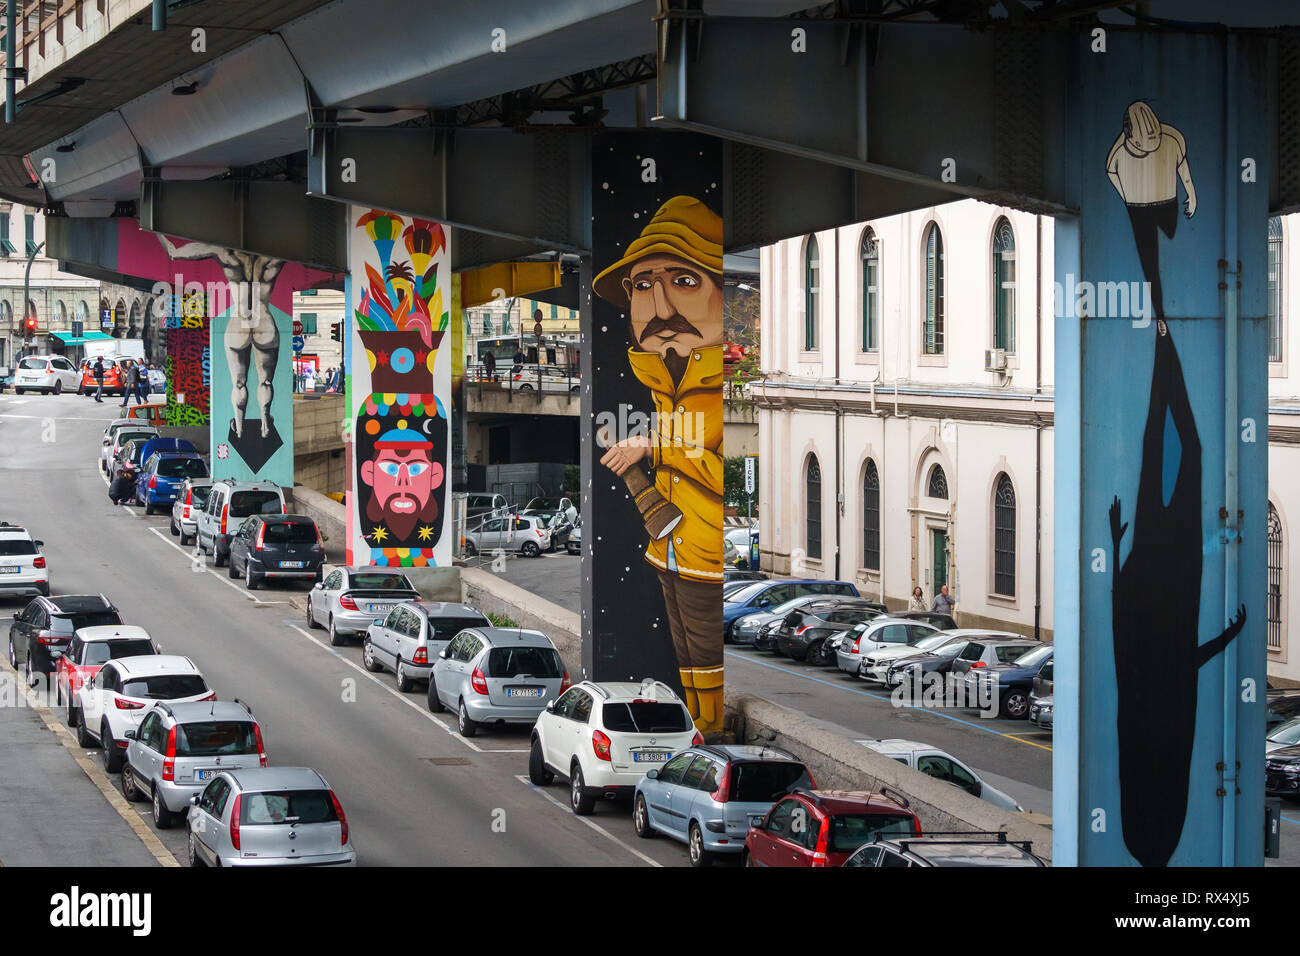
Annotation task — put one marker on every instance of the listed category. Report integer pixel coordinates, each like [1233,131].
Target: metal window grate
[934,292]
[937,487]
[1274,619]
[1275,267]
[811,279]
[871,518]
[870,290]
[813,496]
[1004,286]
[1004,537]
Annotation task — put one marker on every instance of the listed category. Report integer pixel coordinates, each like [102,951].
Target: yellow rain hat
[683,227]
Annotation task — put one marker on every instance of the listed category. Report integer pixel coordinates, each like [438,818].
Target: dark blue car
[162,476]
[763,595]
[1010,684]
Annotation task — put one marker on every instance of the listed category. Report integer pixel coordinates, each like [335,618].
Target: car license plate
[206,774]
[13,570]
[523,692]
[290,564]
[650,756]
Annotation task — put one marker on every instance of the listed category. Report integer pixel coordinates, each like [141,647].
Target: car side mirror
[550,707]
[442,654]
[129,735]
[652,774]
[39,544]
[318,586]
[194,800]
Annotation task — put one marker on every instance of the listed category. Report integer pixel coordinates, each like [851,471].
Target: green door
[939,559]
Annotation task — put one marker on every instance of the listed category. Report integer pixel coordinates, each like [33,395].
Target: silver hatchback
[269,816]
[496,675]
[409,637]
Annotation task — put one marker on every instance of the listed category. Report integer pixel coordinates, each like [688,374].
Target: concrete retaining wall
[326,512]
[491,593]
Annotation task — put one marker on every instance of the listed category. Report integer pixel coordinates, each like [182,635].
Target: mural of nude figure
[255,335]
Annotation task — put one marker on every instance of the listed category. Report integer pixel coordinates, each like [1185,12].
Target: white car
[45,373]
[876,635]
[116,699]
[875,665]
[604,737]
[22,566]
[941,766]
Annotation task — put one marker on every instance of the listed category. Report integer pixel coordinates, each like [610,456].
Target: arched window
[933,332]
[812,270]
[871,517]
[937,486]
[1004,286]
[870,254]
[1275,289]
[1004,537]
[813,499]
[6,313]
[1274,618]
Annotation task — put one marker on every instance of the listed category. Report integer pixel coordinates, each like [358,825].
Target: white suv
[230,504]
[22,566]
[604,737]
[116,699]
[45,373]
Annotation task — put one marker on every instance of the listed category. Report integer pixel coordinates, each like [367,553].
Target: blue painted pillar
[1162,450]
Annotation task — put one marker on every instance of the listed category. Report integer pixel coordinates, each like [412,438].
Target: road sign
[537,329]
[750,462]
[298,343]
[297,327]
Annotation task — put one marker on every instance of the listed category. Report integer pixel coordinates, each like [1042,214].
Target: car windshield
[165,686]
[647,717]
[282,807]
[754,782]
[17,546]
[524,662]
[182,468]
[290,532]
[381,582]
[1027,657]
[850,830]
[213,738]
[445,628]
[1287,733]
[90,618]
[742,594]
[199,495]
[927,642]
[731,587]
[32,363]
[124,437]
[246,503]
[101,652]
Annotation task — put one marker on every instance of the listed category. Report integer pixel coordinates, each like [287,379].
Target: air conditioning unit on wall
[995,360]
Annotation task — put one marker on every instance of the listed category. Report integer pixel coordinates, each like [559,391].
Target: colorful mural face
[400,396]
[188,363]
[656,492]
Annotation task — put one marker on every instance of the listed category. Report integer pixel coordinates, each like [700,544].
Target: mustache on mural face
[674,323]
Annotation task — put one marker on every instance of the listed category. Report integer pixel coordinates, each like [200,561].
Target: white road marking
[588,821]
[189,556]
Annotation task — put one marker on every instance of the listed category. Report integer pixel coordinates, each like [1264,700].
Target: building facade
[905,415]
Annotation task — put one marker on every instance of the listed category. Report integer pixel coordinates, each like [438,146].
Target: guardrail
[528,380]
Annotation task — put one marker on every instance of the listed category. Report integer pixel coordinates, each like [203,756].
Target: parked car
[947,849]
[741,574]
[1281,707]
[230,504]
[277,547]
[1042,704]
[529,536]
[990,651]
[90,649]
[162,475]
[40,634]
[824,827]
[49,374]
[268,816]
[935,763]
[556,522]
[573,543]
[350,599]
[604,737]
[802,634]
[938,660]
[767,595]
[150,413]
[22,565]
[1282,772]
[479,503]
[943,622]
[118,449]
[1286,734]
[114,700]
[878,633]
[709,796]
[746,628]
[6,378]
[89,385]
[496,675]
[876,664]
[179,748]
[191,498]
[411,635]
[561,504]
[1009,683]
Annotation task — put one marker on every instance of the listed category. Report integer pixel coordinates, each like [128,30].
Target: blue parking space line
[867,693]
[1289,820]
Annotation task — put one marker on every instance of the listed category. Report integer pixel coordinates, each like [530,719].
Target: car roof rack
[895,795]
[989,836]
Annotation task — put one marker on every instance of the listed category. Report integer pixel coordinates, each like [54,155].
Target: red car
[91,648]
[112,378]
[825,827]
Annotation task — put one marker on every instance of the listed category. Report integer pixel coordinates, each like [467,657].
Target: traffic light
[336,331]
[29,326]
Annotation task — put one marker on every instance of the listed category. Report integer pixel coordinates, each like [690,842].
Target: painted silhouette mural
[1156,593]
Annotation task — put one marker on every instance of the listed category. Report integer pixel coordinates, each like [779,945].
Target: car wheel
[162,817]
[578,799]
[148,506]
[44,589]
[470,549]
[13,658]
[192,851]
[28,673]
[695,843]
[404,682]
[58,388]
[1014,704]
[19,391]
[176,532]
[435,702]
[531,550]
[641,818]
[467,727]
[186,539]
[746,859]
[219,559]
[129,789]
[58,691]
[71,713]
[108,750]
[336,639]
[537,772]
[814,654]
[311,618]
[368,656]
[251,581]
[84,740]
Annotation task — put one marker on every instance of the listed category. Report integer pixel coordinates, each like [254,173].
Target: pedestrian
[490,366]
[143,384]
[309,378]
[918,600]
[122,488]
[943,603]
[520,359]
[99,377]
[131,383]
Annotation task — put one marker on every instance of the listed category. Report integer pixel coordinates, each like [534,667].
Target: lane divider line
[95,772]
[522,778]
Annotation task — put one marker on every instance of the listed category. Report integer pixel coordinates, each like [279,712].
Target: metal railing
[527,380]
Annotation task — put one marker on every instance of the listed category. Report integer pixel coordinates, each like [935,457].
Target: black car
[741,574]
[1012,682]
[1282,773]
[937,661]
[277,546]
[943,622]
[41,632]
[1281,708]
[802,635]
